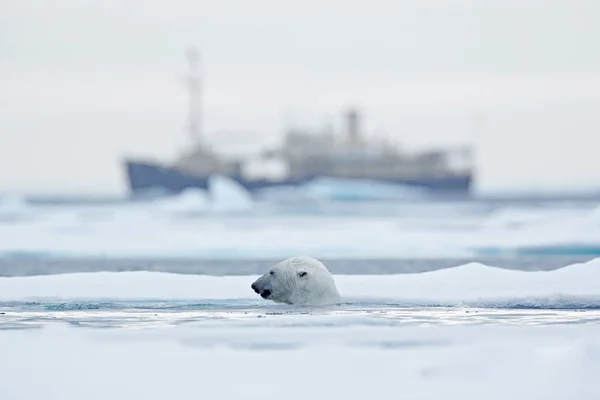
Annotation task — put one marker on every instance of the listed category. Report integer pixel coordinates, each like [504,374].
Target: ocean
[442,298]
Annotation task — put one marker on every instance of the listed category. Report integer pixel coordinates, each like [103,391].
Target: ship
[303,157]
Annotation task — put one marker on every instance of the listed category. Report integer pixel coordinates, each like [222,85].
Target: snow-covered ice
[472,284]
[227,224]
[469,332]
[448,362]
[181,336]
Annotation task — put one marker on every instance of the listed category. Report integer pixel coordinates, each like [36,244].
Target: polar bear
[299,280]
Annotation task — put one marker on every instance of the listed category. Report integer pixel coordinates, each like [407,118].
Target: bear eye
[301,273]
[272,272]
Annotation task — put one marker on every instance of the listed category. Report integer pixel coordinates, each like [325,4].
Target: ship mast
[193,84]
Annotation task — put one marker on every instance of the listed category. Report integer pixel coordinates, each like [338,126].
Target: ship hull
[143,177]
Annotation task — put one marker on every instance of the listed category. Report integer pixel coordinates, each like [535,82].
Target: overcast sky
[83,83]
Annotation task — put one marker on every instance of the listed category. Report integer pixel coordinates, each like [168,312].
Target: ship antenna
[193,84]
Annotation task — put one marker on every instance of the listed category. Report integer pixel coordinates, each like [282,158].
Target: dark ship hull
[146,176]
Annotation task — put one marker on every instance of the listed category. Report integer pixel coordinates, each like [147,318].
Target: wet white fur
[300,280]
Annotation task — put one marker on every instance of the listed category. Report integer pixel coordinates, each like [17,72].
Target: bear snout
[255,288]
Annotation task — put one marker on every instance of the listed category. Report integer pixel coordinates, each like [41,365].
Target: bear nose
[253,286]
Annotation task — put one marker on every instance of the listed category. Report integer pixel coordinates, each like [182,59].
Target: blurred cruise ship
[304,156]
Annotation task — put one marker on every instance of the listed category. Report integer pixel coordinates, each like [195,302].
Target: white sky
[83,83]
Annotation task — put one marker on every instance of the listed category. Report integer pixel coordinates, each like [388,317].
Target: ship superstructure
[303,156]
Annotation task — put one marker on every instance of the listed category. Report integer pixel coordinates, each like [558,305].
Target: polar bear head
[299,281]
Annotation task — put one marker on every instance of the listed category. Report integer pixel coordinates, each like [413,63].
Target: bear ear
[301,273]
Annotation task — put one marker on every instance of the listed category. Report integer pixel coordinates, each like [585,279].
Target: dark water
[31,266]
[244,314]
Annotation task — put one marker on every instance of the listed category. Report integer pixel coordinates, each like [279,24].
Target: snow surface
[472,284]
[462,363]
